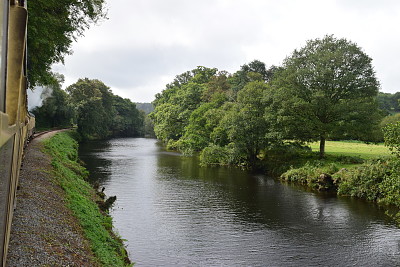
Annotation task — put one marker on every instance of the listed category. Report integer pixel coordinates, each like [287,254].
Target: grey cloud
[128,68]
[145,41]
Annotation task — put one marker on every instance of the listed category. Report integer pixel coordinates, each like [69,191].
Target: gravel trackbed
[44,231]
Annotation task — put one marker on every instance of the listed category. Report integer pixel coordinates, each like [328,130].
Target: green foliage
[106,246]
[101,114]
[254,71]
[93,101]
[147,108]
[53,26]
[309,173]
[56,110]
[390,186]
[149,127]
[389,103]
[169,122]
[392,137]
[364,181]
[222,156]
[244,123]
[214,155]
[197,133]
[204,109]
[128,120]
[174,106]
[325,89]
[390,119]
[349,159]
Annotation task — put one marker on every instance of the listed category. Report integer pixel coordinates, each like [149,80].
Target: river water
[174,213]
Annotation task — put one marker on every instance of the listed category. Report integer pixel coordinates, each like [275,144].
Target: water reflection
[174,212]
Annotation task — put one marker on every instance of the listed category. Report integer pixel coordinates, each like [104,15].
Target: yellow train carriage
[15,122]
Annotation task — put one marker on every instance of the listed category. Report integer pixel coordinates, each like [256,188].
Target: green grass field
[354,149]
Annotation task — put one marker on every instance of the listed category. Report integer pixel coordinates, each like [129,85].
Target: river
[174,213]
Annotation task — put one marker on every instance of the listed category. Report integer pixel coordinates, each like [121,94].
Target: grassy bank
[375,179]
[353,149]
[81,198]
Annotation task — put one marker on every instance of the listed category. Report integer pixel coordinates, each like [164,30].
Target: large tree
[128,120]
[53,26]
[175,104]
[93,101]
[245,124]
[327,88]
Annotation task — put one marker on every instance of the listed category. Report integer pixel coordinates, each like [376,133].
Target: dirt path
[44,231]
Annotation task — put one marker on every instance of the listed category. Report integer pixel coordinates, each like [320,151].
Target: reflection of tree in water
[227,211]
[258,200]
[91,153]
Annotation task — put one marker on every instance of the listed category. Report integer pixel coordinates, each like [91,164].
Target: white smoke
[37,95]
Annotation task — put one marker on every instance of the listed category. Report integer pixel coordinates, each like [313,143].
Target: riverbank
[57,221]
[355,170]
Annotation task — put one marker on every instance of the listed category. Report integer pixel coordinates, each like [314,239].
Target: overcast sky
[145,43]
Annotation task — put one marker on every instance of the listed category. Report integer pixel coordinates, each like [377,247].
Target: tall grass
[97,226]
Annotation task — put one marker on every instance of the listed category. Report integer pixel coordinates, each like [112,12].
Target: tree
[128,120]
[389,103]
[174,106]
[202,121]
[93,101]
[56,110]
[327,85]
[245,125]
[254,71]
[53,26]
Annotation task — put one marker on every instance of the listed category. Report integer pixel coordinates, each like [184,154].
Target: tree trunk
[322,147]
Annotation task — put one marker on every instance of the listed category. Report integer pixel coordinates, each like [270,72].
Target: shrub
[310,173]
[214,155]
[390,186]
[349,159]
[223,155]
[392,137]
[365,181]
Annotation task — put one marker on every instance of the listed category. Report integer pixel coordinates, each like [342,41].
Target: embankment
[376,180]
[57,221]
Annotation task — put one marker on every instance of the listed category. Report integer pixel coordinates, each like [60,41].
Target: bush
[390,186]
[224,156]
[310,173]
[214,155]
[349,159]
[392,137]
[365,181]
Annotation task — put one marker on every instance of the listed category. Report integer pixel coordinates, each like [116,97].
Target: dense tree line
[325,90]
[90,104]
[389,103]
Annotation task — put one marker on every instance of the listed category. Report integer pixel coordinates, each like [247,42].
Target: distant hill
[146,107]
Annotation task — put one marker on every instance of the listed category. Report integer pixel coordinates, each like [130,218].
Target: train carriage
[15,122]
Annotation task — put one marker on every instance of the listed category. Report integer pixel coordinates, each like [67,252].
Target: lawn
[354,149]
